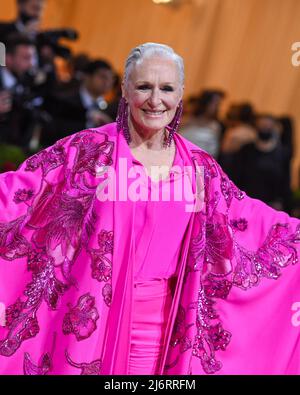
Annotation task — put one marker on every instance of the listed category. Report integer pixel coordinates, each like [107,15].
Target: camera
[51,38]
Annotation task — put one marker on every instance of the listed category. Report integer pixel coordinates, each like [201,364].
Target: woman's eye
[143,87]
[168,88]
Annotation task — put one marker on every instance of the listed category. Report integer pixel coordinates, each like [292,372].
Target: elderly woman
[107,269]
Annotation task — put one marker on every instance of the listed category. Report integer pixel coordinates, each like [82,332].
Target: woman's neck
[146,139]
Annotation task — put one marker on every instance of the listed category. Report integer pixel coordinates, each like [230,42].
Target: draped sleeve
[47,217]
[248,247]
[255,240]
[25,191]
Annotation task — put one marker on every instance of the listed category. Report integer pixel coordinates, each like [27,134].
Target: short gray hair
[142,51]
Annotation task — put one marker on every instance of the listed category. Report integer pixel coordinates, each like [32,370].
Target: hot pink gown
[74,287]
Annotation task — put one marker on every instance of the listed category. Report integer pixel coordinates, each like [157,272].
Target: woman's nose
[155,98]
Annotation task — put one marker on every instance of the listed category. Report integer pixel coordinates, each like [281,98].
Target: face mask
[265,134]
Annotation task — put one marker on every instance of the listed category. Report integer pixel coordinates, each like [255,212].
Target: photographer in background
[28,19]
[15,91]
[28,22]
[84,106]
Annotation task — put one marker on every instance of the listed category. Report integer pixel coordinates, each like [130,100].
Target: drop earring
[122,119]
[174,125]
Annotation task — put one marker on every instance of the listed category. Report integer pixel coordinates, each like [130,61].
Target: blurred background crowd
[48,92]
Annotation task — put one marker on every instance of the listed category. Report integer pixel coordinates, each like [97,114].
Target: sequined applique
[42,368]
[102,263]
[240,224]
[90,157]
[12,244]
[87,369]
[210,336]
[23,195]
[107,294]
[48,159]
[45,286]
[81,319]
[219,244]
[277,252]
[217,287]
[23,327]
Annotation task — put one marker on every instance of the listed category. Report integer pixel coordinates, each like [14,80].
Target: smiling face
[153,92]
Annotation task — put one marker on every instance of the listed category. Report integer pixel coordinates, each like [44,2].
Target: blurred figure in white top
[203,127]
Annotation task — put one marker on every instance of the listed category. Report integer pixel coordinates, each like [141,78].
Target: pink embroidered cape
[66,272]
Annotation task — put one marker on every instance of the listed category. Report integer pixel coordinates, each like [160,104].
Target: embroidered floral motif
[107,294]
[22,321]
[219,244]
[23,195]
[81,319]
[31,329]
[218,336]
[23,327]
[197,244]
[12,244]
[105,239]
[217,288]
[209,338]
[30,369]
[92,368]
[45,286]
[63,223]
[48,159]
[101,264]
[230,191]
[240,224]
[91,155]
[45,365]
[37,261]
[13,312]
[277,252]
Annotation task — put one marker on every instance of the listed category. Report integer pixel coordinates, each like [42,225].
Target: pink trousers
[151,307]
